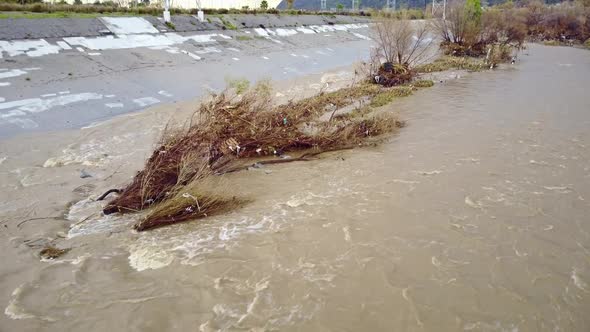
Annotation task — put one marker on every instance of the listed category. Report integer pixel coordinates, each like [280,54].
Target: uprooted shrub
[400,45]
[227,131]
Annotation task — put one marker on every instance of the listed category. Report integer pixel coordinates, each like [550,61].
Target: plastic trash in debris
[84,174]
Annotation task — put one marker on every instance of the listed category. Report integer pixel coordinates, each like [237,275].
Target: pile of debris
[180,180]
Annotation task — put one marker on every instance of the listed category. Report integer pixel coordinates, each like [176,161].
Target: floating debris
[51,252]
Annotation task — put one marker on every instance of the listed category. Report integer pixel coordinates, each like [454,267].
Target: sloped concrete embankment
[24,28]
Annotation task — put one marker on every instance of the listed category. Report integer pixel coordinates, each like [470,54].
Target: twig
[303,157]
[39,218]
[110,191]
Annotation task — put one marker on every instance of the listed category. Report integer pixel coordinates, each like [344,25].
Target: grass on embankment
[450,62]
[32,15]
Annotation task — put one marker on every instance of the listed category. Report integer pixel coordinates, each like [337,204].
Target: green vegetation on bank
[451,62]
[32,15]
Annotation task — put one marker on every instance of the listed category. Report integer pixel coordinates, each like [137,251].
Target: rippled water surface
[474,217]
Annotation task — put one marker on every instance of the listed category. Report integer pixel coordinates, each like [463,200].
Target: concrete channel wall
[19,29]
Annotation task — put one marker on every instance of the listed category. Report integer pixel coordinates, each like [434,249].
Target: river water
[474,217]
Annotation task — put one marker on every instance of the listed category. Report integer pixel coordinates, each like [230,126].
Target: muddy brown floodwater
[475,217]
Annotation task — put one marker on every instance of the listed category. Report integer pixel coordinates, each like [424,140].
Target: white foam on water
[49,95]
[346,231]
[2,99]
[236,59]
[233,49]
[87,218]
[16,312]
[474,204]
[142,259]
[578,282]
[265,58]
[4,83]
[93,53]
[91,153]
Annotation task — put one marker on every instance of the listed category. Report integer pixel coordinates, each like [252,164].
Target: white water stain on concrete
[37,105]
[114,105]
[23,123]
[128,25]
[192,55]
[208,49]
[173,50]
[64,92]
[361,36]
[284,32]
[12,73]
[141,40]
[63,45]
[18,109]
[4,83]
[146,101]
[32,48]
[32,68]
[165,93]
[49,95]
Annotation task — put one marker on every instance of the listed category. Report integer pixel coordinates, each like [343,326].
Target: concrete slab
[21,28]
[128,25]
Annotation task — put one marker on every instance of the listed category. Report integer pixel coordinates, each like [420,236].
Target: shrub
[400,45]
[264,5]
